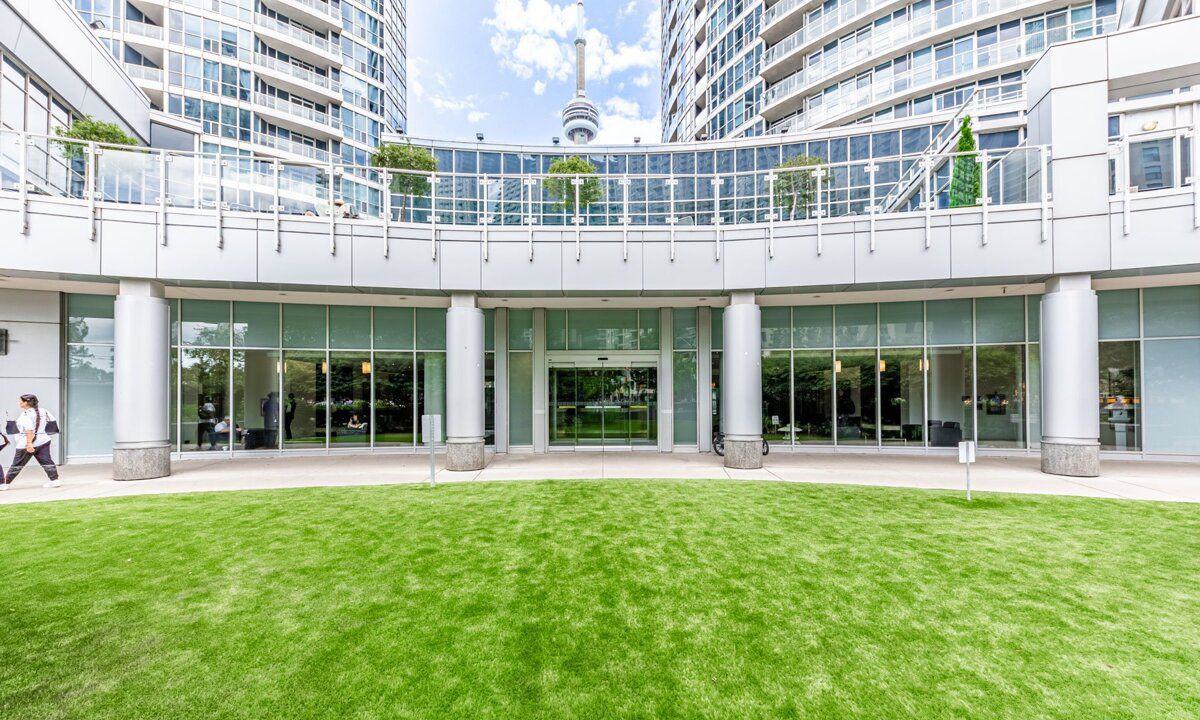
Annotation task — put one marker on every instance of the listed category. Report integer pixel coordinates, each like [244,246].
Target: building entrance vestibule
[603,403]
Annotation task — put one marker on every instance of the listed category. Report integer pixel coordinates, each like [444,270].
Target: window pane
[520,329]
[951,419]
[1000,319]
[206,323]
[948,321]
[431,329]
[303,396]
[489,329]
[777,396]
[776,327]
[556,329]
[856,325]
[1172,311]
[90,319]
[812,326]
[431,389]
[902,397]
[1035,395]
[684,384]
[349,327]
[901,323]
[812,378]
[648,329]
[1172,386]
[90,393]
[1118,314]
[1119,411]
[1033,308]
[717,326]
[304,327]
[393,328]
[684,331]
[1152,164]
[350,399]
[205,395]
[255,324]
[855,397]
[1001,398]
[256,405]
[489,397]
[615,329]
[394,400]
[520,398]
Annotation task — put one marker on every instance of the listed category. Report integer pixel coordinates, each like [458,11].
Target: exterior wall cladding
[846,305]
[735,68]
[295,79]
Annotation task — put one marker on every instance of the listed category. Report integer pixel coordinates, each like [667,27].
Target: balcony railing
[134,27]
[942,70]
[291,146]
[297,72]
[144,72]
[779,9]
[295,33]
[297,110]
[818,192]
[321,8]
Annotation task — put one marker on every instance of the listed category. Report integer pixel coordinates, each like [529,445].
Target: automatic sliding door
[603,406]
[590,405]
[643,406]
[563,408]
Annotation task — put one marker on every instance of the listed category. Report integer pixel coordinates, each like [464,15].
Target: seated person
[221,432]
[354,425]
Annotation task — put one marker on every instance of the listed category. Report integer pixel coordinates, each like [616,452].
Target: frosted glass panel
[556,329]
[255,324]
[1172,311]
[431,329]
[648,330]
[1000,319]
[615,329]
[489,329]
[90,319]
[206,322]
[349,327]
[1118,314]
[684,330]
[856,325]
[520,398]
[717,323]
[90,390]
[520,329]
[685,397]
[901,323]
[393,328]
[1033,308]
[1172,373]
[948,321]
[304,326]
[812,326]
[776,327]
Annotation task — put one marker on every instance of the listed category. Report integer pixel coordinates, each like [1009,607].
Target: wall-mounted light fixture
[3,342]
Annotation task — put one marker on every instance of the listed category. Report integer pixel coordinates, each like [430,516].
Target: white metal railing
[135,27]
[300,73]
[294,32]
[1160,159]
[210,183]
[144,72]
[882,85]
[301,111]
[319,7]
[779,9]
[289,145]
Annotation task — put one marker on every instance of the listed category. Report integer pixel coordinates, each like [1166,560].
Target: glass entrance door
[606,405]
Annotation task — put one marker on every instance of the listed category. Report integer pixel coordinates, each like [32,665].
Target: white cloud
[644,80]
[627,9]
[621,121]
[441,99]
[539,88]
[477,115]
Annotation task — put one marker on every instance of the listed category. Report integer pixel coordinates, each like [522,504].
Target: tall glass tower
[296,79]
[740,67]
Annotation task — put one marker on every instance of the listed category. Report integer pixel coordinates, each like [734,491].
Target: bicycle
[718,444]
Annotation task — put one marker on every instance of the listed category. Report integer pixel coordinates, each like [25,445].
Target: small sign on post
[966,456]
[431,430]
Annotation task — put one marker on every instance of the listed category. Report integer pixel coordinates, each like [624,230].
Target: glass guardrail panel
[128,176]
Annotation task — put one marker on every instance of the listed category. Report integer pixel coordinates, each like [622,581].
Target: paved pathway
[1121,479]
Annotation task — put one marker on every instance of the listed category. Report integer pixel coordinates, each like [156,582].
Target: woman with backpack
[34,428]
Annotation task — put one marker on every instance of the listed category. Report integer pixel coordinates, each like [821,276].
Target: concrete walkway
[1131,480]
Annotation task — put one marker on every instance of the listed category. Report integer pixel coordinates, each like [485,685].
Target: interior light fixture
[366,368]
[837,366]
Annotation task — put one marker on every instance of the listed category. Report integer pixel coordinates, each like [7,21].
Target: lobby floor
[1130,480]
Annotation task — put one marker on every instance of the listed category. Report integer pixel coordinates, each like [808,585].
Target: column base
[465,456]
[743,454]
[141,463]
[1071,460]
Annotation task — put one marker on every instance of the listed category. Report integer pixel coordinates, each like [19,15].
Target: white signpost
[431,430]
[966,456]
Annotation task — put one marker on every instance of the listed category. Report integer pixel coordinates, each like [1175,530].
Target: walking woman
[34,428]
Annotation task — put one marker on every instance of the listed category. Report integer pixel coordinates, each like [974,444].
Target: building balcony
[144,75]
[783,18]
[317,13]
[299,42]
[304,119]
[789,95]
[286,147]
[298,79]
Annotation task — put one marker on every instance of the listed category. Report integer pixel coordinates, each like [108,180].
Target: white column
[464,384]
[741,382]
[141,364]
[1070,377]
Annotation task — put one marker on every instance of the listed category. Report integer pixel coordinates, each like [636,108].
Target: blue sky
[506,68]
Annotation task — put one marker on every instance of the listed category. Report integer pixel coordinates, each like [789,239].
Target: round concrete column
[741,382]
[464,384]
[1070,379]
[141,355]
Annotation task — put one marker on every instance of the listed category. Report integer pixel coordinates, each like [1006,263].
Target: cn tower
[581,119]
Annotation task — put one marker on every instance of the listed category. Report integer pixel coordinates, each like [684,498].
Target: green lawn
[617,599]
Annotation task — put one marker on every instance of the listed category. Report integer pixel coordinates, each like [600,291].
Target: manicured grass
[616,599]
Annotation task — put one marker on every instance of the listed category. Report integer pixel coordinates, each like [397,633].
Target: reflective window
[951,419]
[205,411]
[1120,403]
[812,326]
[304,401]
[856,325]
[777,395]
[901,323]
[350,398]
[856,396]
[1119,314]
[948,322]
[812,378]
[1172,386]
[1000,319]
[902,397]
[1001,395]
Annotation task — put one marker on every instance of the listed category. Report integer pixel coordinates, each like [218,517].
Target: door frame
[601,359]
